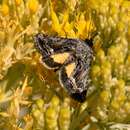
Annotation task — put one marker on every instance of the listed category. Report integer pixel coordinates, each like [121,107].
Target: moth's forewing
[54,50]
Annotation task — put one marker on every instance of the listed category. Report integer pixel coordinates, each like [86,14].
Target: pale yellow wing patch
[60,58]
[69,69]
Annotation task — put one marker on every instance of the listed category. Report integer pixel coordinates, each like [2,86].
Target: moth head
[39,40]
[89,41]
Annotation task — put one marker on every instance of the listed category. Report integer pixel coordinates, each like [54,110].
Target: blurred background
[32,100]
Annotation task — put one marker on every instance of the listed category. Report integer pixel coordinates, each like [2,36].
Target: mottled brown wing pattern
[54,50]
[72,57]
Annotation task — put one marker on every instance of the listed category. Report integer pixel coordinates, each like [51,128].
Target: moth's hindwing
[74,78]
[72,57]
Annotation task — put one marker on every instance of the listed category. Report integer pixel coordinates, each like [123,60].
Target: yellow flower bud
[33,5]
[121,84]
[40,103]
[64,118]
[18,2]
[121,98]
[105,95]
[55,101]
[127,107]
[36,113]
[65,113]
[51,113]
[101,55]
[120,26]
[95,71]
[5,9]
[115,104]
[114,11]
[51,118]
[106,71]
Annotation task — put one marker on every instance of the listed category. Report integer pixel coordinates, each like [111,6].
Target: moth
[71,58]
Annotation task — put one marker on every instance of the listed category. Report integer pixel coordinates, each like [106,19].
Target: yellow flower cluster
[5,9]
[38,102]
[15,23]
[48,117]
[110,71]
[80,27]
[33,5]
